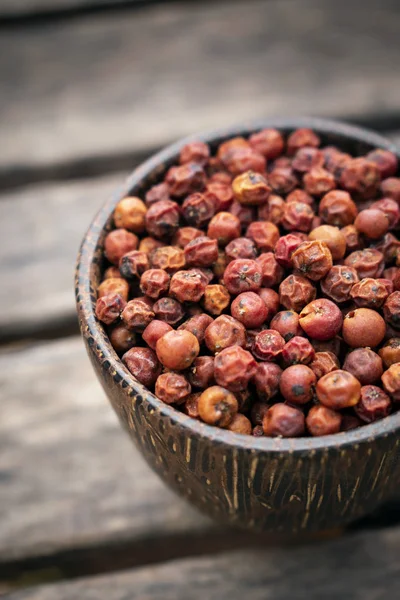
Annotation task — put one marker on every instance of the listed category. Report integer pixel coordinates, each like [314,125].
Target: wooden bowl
[270,484]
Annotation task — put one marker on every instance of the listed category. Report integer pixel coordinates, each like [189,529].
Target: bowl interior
[354,140]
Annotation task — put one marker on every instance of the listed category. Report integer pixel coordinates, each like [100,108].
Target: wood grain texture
[362,567]
[69,476]
[100,86]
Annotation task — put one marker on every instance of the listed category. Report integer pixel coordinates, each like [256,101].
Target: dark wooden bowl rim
[93,330]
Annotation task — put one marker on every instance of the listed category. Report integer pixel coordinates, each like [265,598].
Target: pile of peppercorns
[262,294]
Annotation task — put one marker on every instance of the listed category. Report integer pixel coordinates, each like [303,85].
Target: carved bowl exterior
[263,484]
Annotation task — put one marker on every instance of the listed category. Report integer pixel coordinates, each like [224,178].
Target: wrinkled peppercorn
[374,404]
[391,381]
[361,177]
[143,364]
[297,351]
[133,264]
[217,406]
[264,234]
[297,216]
[225,331]
[369,293]
[233,368]
[295,292]
[323,363]
[162,219]
[224,227]
[337,208]
[390,353]
[367,263]
[118,243]
[268,142]
[109,308]
[339,282]
[312,259]
[272,210]
[323,421]
[130,214]
[113,285]
[338,389]
[242,275]
[201,252]
[266,379]
[268,345]
[172,388]
[272,272]
[169,310]
[186,179]
[137,314]
[216,299]
[391,310]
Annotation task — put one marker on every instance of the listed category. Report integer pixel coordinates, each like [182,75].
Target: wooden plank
[43,225]
[69,475]
[362,567]
[133,81]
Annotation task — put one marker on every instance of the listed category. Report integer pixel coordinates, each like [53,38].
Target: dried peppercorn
[225,331]
[133,264]
[302,137]
[369,293]
[122,338]
[148,244]
[282,180]
[187,286]
[245,214]
[391,381]
[337,208]
[385,161]
[264,234]
[172,388]
[154,330]
[297,216]
[156,193]
[242,275]
[332,237]
[361,177]
[143,364]
[233,368]
[268,345]
[218,268]
[286,322]
[297,384]
[318,181]
[374,404]
[185,179]
[321,319]
[353,238]
[217,406]
[283,420]
[272,210]
[297,350]
[272,272]
[201,252]
[109,308]
[268,142]
[266,380]
[162,219]
[251,188]
[295,292]
[241,247]
[221,192]
[323,421]
[245,159]
[113,285]
[119,242]
[224,227]
[367,263]
[365,365]
[216,299]
[372,222]
[363,327]
[169,310]
[197,324]
[284,249]
[195,152]
[201,373]
[338,389]
[240,424]
[154,283]
[130,213]
[390,209]
[198,209]
[323,363]
[390,353]
[339,282]
[306,158]
[271,301]
[184,235]
[250,309]
[177,349]
[137,314]
[391,310]
[390,188]
[312,259]
[191,405]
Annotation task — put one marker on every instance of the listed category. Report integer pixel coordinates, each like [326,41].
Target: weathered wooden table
[86,93]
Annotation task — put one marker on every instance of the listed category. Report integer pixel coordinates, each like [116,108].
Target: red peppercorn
[283,180]
[287,324]
[297,216]
[249,309]
[374,404]
[318,181]
[156,193]
[201,252]
[284,249]
[221,192]
[364,364]
[201,373]
[225,331]
[361,177]
[367,263]
[224,227]
[323,363]
[321,319]
[337,208]
[390,188]
[177,349]
[323,421]
[372,222]
[109,308]
[302,137]
[233,368]
[272,272]
[264,234]
[266,379]
[391,381]
[242,275]
[143,364]
[137,315]
[133,264]
[154,330]
[154,283]
[216,299]
[130,214]
[283,420]
[113,285]
[184,235]
[217,406]
[369,293]
[172,388]
[312,259]
[169,258]
[169,310]
[390,209]
[191,405]
[385,161]
[162,219]
[195,152]
[339,282]
[295,292]
[306,158]
[240,424]
[241,247]
[271,301]
[197,325]
[268,345]
[148,244]
[338,389]
[390,353]
[297,351]
[297,384]
[363,327]
[391,310]
[332,237]
[245,159]
[268,142]
[352,237]
[121,338]
[272,210]
[251,188]
[186,179]
[198,209]
[118,243]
